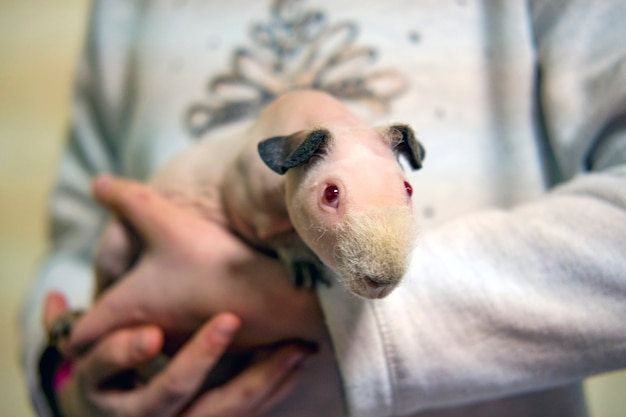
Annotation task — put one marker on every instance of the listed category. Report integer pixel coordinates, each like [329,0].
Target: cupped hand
[95,388]
[190,269]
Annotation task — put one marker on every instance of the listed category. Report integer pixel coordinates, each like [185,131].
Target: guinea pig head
[350,201]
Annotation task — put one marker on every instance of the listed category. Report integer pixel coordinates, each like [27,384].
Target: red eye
[331,195]
[408,188]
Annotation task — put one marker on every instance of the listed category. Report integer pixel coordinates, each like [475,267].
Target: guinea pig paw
[61,327]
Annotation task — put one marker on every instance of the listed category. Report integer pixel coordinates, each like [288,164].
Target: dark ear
[282,153]
[408,145]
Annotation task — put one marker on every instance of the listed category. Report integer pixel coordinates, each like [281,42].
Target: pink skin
[240,192]
[361,165]
[326,193]
[258,211]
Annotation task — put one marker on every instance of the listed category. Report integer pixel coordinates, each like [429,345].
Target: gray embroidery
[297,48]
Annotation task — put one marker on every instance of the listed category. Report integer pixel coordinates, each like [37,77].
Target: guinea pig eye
[331,195]
[408,188]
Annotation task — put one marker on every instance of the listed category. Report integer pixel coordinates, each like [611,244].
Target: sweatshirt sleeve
[75,218]
[503,302]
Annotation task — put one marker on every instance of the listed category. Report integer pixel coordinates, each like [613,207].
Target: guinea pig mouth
[371,281]
[374,289]
[372,249]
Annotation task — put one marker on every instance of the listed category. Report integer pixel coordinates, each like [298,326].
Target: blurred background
[39,45]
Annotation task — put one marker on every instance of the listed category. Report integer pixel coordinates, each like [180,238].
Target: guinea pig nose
[376,289]
[372,283]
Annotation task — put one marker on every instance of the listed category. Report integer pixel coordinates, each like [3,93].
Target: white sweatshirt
[517,287]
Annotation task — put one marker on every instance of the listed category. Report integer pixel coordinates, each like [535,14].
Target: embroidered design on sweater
[296,48]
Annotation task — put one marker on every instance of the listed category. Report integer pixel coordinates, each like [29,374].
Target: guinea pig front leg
[61,327]
[304,266]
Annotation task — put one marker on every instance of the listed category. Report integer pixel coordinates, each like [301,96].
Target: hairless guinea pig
[310,182]
[333,184]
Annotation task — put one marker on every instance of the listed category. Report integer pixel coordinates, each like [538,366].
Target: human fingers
[55,304]
[118,352]
[171,390]
[147,211]
[58,321]
[116,308]
[256,390]
[107,371]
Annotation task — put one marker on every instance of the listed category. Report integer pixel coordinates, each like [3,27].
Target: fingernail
[102,182]
[225,328]
[143,341]
[139,344]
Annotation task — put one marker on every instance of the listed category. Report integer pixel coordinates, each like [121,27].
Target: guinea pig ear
[281,153]
[407,144]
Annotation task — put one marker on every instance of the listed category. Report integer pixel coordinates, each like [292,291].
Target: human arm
[507,301]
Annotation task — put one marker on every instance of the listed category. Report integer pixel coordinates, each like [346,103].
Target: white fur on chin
[373,249]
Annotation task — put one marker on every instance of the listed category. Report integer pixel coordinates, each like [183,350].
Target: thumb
[54,305]
[144,209]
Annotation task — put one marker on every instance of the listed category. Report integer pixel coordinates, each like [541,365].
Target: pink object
[62,375]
